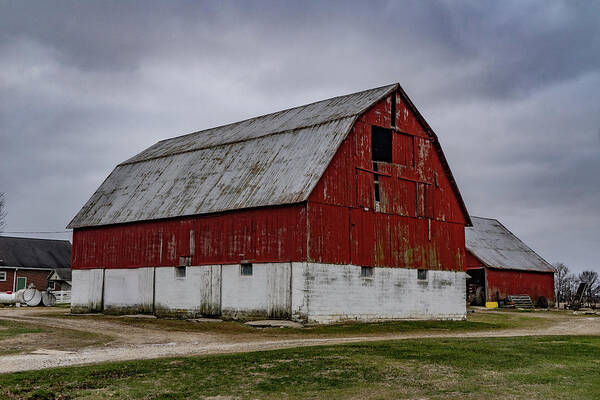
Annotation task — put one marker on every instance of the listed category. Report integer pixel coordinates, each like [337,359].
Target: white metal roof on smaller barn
[497,247]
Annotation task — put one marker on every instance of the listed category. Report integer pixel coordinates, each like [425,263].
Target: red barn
[340,209]
[500,265]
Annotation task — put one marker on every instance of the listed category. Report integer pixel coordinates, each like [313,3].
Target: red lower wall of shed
[502,283]
[260,235]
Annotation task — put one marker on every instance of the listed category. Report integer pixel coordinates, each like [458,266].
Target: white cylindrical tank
[8,298]
[48,299]
[30,296]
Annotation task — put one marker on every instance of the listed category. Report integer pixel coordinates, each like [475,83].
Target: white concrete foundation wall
[310,292]
[326,293]
[129,290]
[86,293]
[199,293]
[265,293]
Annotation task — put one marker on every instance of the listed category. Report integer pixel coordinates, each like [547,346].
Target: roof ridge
[26,238]
[278,112]
[133,160]
[127,162]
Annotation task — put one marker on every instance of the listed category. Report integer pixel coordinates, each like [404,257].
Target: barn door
[279,284]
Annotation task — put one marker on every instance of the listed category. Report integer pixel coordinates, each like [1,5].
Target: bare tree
[2,211]
[593,284]
[561,272]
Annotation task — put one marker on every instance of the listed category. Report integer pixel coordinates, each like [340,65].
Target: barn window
[2,276]
[381,144]
[366,272]
[422,274]
[246,269]
[376,185]
[180,272]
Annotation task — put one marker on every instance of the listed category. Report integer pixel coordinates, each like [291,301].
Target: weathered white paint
[86,293]
[310,292]
[129,290]
[199,293]
[265,293]
[325,293]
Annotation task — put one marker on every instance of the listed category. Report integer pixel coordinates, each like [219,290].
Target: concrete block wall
[129,290]
[311,292]
[325,293]
[198,294]
[86,293]
[265,293]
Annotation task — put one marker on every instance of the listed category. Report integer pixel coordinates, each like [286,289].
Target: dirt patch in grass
[23,337]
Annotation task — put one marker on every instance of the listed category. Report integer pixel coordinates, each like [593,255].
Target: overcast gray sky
[512,89]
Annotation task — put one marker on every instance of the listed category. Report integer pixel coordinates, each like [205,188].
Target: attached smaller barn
[26,261]
[499,265]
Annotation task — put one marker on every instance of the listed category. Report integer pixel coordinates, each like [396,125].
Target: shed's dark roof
[497,247]
[35,253]
[270,160]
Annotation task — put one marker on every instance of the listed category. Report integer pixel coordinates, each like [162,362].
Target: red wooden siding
[38,277]
[419,223]
[471,262]
[502,283]
[260,235]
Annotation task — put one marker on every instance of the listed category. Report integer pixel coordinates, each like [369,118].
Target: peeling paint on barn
[356,180]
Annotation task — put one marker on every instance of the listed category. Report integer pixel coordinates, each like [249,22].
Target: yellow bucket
[491,304]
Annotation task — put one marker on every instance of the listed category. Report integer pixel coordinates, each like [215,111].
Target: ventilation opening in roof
[381,142]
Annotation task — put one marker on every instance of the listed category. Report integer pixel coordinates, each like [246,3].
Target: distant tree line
[566,284]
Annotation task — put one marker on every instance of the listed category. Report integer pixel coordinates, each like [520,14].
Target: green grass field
[482,368]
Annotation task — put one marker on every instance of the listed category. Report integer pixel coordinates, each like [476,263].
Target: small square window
[2,276]
[180,272]
[246,269]
[422,274]
[366,272]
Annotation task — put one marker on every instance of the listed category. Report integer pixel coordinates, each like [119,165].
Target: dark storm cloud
[510,88]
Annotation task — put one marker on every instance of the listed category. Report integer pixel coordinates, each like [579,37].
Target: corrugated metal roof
[34,253]
[270,160]
[497,247]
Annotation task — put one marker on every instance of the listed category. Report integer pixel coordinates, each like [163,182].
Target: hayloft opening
[422,274]
[381,143]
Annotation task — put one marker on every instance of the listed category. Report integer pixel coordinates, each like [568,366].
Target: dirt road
[129,342]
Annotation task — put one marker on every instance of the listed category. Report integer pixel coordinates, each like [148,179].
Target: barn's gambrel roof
[497,247]
[270,160]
